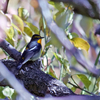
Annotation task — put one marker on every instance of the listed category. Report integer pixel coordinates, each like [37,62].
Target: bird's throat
[39,41]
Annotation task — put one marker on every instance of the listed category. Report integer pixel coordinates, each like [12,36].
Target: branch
[4,5]
[89,8]
[36,81]
[73,97]
[78,70]
[80,88]
[10,49]
[14,82]
[81,60]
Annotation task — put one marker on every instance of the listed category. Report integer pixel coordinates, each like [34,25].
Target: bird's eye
[22,57]
[26,48]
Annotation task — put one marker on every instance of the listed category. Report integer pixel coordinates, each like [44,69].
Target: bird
[32,51]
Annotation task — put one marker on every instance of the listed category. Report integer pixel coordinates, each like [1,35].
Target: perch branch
[73,97]
[36,81]
[14,82]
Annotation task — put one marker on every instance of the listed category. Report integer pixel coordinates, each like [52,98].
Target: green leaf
[64,18]
[51,2]
[23,13]
[98,82]
[52,73]
[62,61]
[74,35]
[57,5]
[8,92]
[28,31]
[48,44]
[86,23]
[17,23]
[73,89]
[80,43]
[10,41]
[58,14]
[55,41]
[41,24]
[1,94]
[85,80]
[10,32]
[58,57]
[14,95]
[66,64]
[61,18]
[66,78]
[32,27]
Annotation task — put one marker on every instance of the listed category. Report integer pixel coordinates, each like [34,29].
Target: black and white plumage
[32,51]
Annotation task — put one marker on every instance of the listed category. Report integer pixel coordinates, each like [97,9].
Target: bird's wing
[27,54]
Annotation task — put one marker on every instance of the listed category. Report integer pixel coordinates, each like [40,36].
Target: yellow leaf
[28,31]
[80,43]
[18,23]
[10,32]
[10,41]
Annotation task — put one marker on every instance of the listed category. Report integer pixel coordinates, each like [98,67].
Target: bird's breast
[36,56]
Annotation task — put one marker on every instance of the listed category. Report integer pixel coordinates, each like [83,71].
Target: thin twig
[6,7]
[74,81]
[80,88]
[61,72]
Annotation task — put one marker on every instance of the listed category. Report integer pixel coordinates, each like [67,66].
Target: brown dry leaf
[34,3]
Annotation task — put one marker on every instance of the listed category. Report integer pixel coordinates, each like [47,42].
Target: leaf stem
[74,81]
[61,72]
[94,84]
[97,59]
[44,26]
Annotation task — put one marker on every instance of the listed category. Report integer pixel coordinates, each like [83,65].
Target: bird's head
[37,38]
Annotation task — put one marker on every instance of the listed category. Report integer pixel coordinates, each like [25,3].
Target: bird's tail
[19,66]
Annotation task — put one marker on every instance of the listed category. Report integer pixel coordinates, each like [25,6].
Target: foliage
[21,30]
[80,43]
[6,92]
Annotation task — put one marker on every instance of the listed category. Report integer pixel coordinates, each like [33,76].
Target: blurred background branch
[89,8]
[13,53]
[65,42]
